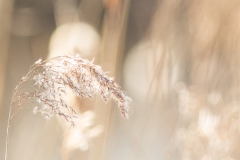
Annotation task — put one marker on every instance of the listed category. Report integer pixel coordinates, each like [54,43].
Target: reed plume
[52,77]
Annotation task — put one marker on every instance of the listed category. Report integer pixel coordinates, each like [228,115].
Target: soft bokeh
[178,60]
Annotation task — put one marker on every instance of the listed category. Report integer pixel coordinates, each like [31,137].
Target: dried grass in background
[178,58]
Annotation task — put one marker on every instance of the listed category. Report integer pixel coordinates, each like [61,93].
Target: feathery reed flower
[83,77]
[52,77]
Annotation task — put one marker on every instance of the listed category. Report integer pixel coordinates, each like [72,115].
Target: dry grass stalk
[52,77]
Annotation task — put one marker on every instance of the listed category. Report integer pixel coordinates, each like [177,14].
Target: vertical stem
[5,21]
[114,30]
[6,8]
[8,130]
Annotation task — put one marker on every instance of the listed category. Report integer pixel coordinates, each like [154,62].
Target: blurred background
[178,60]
